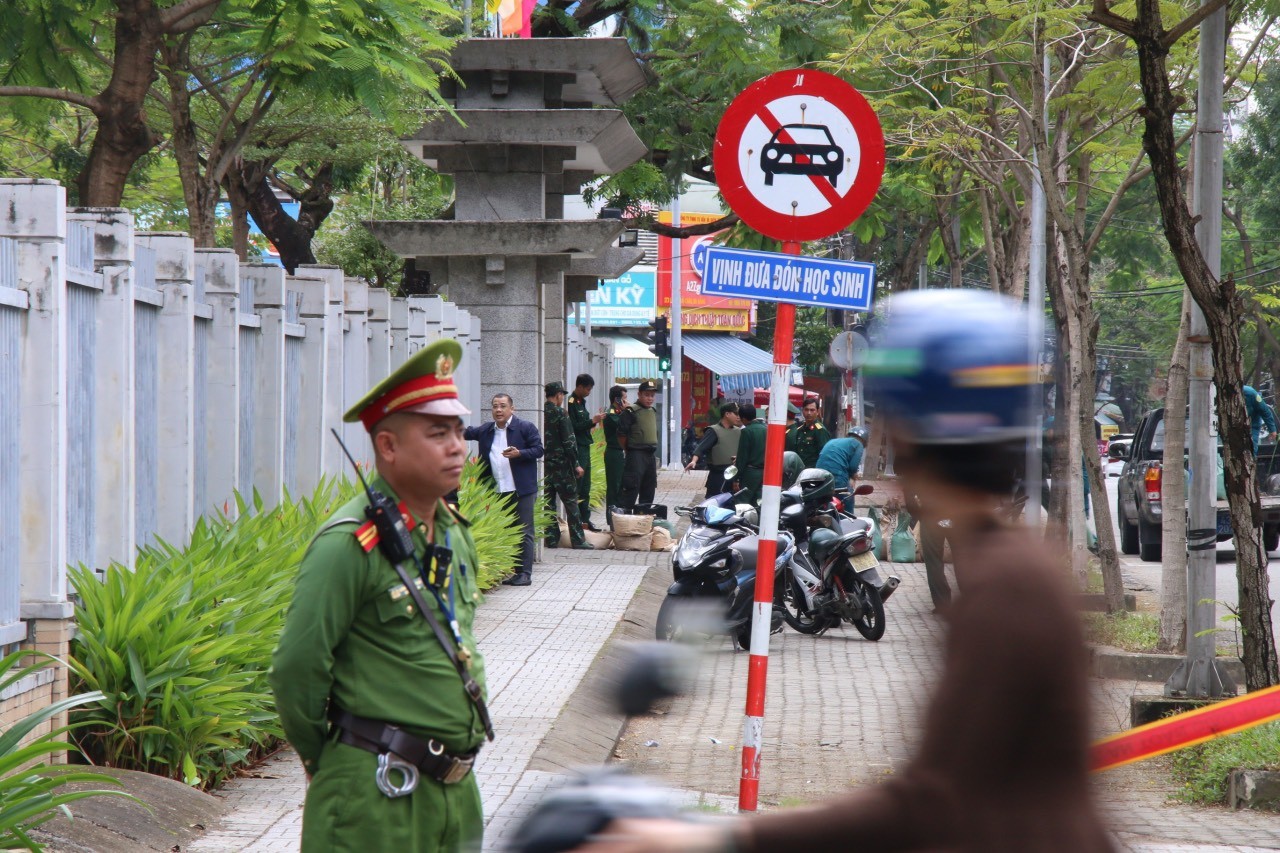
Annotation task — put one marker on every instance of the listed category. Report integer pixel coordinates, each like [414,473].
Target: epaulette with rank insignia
[457,516]
[367,535]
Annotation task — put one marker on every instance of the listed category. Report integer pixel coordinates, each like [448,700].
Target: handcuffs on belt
[389,761]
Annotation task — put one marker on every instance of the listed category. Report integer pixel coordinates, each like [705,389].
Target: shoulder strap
[468,683]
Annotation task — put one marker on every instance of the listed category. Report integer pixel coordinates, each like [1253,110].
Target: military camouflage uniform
[580,417]
[558,476]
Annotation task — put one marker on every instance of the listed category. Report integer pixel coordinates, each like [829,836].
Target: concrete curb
[589,726]
[1148,666]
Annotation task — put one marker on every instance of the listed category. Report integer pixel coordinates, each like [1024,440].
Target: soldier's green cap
[423,385]
[553,388]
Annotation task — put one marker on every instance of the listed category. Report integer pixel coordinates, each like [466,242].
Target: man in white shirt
[510,448]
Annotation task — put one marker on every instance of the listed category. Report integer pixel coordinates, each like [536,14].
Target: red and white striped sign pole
[770,507]
[815,195]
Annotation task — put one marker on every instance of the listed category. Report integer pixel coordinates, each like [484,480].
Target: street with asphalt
[840,712]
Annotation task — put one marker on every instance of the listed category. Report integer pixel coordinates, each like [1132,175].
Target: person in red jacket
[1003,762]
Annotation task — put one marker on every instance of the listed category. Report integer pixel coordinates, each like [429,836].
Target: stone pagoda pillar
[538,118]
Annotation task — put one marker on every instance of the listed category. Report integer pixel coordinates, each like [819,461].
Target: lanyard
[434,580]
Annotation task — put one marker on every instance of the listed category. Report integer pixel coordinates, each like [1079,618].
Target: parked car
[1140,499]
[1117,453]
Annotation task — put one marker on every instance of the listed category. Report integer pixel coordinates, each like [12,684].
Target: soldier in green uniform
[613,454]
[561,469]
[807,438]
[750,451]
[750,461]
[638,429]
[583,423]
[361,680]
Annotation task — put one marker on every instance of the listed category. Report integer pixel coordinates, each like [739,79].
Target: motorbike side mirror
[730,473]
[864,490]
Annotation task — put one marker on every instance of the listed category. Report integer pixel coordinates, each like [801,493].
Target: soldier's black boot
[518,579]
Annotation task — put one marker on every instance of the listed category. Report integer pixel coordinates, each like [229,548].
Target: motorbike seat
[749,548]
[853,525]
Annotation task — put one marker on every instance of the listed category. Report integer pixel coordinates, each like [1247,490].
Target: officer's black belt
[378,737]
[648,448]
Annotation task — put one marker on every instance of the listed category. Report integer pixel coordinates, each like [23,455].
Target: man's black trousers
[639,477]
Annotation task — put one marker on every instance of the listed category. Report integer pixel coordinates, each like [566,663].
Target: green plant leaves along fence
[179,647]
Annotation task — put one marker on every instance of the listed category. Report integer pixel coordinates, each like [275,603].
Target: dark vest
[726,446]
[645,429]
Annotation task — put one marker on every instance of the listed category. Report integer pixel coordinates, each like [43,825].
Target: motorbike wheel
[666,627]
[795,614]
[871,625]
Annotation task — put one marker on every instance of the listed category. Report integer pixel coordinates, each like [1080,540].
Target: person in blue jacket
[1260,416]
[843,456]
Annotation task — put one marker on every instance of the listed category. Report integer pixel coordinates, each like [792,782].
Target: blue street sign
[775,277]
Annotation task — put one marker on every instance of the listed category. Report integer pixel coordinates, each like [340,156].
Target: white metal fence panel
[80,246]
[248,369]
[10,426]
[82,428]
[146,408]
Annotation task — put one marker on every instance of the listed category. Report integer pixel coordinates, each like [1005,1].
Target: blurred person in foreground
[1003,762]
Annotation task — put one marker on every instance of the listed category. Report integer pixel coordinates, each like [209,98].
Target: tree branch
[1101,14]
[52,94]
[187,15]
[1189,23]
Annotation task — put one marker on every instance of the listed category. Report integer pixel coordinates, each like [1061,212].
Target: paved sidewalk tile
[538,642]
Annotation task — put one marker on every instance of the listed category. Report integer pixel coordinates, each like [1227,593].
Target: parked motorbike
[716,561]
[833,575]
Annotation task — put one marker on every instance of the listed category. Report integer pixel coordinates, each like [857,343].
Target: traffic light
[659,344]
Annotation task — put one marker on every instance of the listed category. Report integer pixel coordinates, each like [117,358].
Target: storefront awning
[631,358]
[740,366]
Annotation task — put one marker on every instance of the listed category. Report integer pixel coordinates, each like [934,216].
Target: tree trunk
[239,217]
[200,196]
[123,136]
[1223,311]
[1173,568]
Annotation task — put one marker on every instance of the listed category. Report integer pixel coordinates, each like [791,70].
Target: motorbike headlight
[720,563]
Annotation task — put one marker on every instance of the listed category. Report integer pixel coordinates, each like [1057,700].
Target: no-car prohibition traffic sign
[799,155]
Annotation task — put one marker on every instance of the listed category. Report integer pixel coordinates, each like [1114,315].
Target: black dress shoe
[586,525]
[518,579]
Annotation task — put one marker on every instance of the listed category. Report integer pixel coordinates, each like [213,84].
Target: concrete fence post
[269,382]
[473,375]
[313,385]
[34,216]
[332,461]
[399,331]
[419,324]
[355,365]
[175,379]
[379,336]
[219,437]
[115,448]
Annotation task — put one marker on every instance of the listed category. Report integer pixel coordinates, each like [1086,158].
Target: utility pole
[1200,675]
[676,403]
[1032,480]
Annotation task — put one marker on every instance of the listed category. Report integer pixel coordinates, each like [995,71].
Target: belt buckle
[458,771]
[389,761]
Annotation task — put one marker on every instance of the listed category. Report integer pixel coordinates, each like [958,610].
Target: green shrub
[1202,770]
[180,646]
[29,794]
[598,484]
[178,649]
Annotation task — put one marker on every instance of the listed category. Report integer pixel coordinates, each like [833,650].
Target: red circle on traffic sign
[799,155]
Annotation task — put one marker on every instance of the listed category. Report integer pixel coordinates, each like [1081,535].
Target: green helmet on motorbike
[792,465]
[816,484]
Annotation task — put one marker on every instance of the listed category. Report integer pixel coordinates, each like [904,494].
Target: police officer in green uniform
[638,431]
[719,445]
[614,456]
[808,437]
[368,693]
[583,423]
[561,468]
[750,460]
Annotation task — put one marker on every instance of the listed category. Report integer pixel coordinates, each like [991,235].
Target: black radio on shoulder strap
[397,546]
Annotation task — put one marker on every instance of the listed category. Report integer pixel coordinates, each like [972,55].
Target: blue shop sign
[776,277]
[628,300]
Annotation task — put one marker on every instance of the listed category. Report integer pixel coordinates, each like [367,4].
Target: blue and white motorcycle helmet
[952,367]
